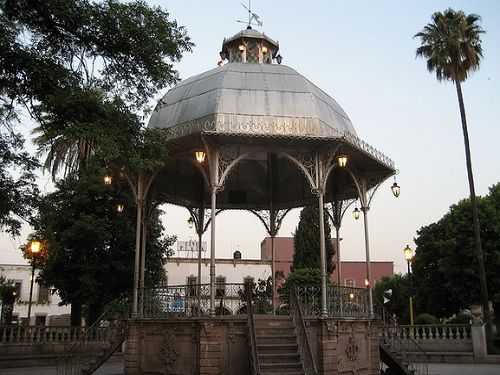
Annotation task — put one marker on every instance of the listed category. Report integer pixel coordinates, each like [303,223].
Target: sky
[362,53]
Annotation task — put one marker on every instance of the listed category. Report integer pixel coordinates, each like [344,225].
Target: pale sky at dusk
[362,53]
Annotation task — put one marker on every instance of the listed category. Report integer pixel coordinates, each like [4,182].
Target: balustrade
[18,334]
[439,331]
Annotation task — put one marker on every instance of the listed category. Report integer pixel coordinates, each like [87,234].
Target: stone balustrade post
[478,334]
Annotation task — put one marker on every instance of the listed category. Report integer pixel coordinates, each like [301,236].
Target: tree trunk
[475,219]
[76,314]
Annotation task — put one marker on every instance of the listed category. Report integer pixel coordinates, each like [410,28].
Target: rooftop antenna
[251,17]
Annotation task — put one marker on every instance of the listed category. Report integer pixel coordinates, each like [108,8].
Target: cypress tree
[306,241]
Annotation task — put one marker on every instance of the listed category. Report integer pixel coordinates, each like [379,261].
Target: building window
[17,288]
[191,281]
[43,293]
[220,285]
[249,280]
[349,282]
[40,320]
[15,319]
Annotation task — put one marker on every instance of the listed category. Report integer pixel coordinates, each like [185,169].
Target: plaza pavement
[116,368]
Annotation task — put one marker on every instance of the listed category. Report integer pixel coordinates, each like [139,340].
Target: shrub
[461,319]
[426,319]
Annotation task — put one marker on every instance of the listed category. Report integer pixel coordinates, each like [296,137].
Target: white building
[45,309]
[184,271]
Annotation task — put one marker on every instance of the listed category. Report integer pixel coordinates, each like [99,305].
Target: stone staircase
[277,346]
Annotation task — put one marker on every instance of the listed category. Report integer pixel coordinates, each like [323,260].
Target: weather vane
[251,17]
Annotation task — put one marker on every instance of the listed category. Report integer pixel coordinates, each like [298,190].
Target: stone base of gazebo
[220,346]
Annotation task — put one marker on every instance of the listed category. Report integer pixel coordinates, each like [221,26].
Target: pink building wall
[352,272]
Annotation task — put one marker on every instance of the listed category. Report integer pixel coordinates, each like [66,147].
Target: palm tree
[452,46]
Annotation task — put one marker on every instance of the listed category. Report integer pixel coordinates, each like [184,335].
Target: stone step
[275,339]
[277,348]
[279,358]
[275,331]
[285,368]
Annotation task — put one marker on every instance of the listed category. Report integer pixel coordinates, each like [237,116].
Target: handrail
[95,332]
[413,356]
[251,326]
[303,339]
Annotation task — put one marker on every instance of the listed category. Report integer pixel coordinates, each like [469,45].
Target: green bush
[426,319]
[461,319]
[299,276]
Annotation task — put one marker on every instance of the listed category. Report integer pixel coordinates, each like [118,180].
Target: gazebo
[253,134]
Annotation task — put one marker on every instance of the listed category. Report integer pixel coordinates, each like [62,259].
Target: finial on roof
[251,17]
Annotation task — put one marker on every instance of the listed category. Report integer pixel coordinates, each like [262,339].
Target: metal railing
[400,342]
[99,341]
[303,339]
[19,334]
[193,300]
[254,357]
[342,301]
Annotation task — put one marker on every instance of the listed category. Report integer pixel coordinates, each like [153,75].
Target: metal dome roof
[264,99]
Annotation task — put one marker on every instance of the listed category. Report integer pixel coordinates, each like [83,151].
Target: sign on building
[189,249]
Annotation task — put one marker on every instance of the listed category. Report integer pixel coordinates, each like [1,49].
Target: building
[184,271]
[353,273]
[45,309]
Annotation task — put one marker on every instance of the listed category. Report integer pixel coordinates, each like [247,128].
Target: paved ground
[117,369]
[106,369]
[459,369]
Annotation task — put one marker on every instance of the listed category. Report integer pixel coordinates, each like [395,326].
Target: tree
[451,44]
[73,64]
[90,246]
[445,265]
[18,190]
[399,301]
[306,241]
[7,299]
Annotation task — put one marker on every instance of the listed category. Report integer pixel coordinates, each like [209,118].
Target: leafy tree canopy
[90,246]
[125,49]
[445,267]
[18,190]
[85,71]
[398,304]
[306,241]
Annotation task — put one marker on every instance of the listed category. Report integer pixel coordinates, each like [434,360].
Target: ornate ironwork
[342,301]
[251,331]
[309,297]
[265,218]
[347,301]
[300,329]
[278,130]
[100,340]
[182,300]
[400,341]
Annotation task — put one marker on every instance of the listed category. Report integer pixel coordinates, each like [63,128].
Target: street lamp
[396,190]
[200,156]
[409,256]
[341,159]
[34,251]
[356,213]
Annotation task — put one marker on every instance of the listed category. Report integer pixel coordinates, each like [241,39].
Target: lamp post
[409,256]
[34,250]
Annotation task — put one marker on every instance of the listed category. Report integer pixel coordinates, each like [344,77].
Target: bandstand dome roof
[245,93]
[270,119]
